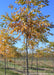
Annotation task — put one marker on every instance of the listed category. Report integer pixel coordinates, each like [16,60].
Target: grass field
[9,72]
[45,67]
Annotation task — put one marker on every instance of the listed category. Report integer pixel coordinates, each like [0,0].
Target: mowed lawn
[8,72]
[19,64]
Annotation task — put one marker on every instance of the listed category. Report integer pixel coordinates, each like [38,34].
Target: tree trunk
[32,60]
[5,65]
[53,65]
[7,62]
[27,55]
[37,65]
[14,62]
[24,63]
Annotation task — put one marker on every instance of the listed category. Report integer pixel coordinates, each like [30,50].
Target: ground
[45,67]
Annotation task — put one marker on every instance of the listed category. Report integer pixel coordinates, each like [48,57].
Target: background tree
[6,43]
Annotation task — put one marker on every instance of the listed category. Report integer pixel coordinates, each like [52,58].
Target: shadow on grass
[9,72]
[42,69]
[12,73]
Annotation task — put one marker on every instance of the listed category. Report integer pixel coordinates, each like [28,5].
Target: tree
[51,46]
[28,21]
[6,43]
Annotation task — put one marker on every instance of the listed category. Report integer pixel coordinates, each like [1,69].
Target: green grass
[19,66]
[8,72]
